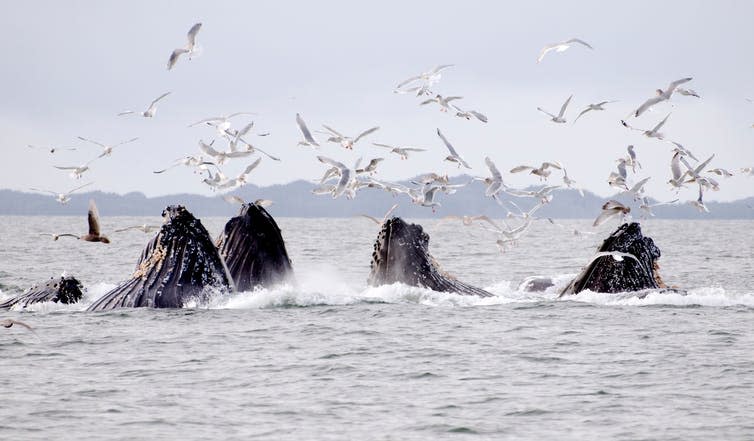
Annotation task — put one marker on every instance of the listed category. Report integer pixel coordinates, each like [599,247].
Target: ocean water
[328,358]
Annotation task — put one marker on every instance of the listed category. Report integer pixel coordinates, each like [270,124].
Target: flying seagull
[151,110]
[562,46]
[559,118]
[453,157]
[188,49]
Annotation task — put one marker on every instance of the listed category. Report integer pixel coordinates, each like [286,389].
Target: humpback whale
[401,254]
[626,261]
[253,249]
[178,265]
[64,289]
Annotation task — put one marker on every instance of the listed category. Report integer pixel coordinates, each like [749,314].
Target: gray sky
[69,67]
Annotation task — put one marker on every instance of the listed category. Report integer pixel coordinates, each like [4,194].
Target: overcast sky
[70,66]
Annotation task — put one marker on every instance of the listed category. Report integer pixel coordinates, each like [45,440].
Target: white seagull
[429,78]
[347,142]
[662,95]
[453,157]
[400,151]
[597,106]
[63,198]
[151,110]
[188,49]
[559,118]
[561,46]
[309,140]
[107,150]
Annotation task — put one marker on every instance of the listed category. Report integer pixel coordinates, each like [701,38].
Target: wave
[326,289]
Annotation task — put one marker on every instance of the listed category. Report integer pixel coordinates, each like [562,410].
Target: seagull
[654,133]
[371,168]
[637,190]
[400,151]
[344,173]
[144,228]
[76,171]
[346,141]
[687,92]
[7,323]
[662,95]
[684,151]
[646,207]
[542,171]
[308,138]
[598,106]
[469,220]
[189,161]
[453,157]
[469,113]
[560,47]
[675,169]
[747,171]
[699,203]
[384,218]
[569,182]
[151,110]
[51,149]
[543,194]
[55,236]
[720,172]
[188,49]
[444,102]
[428,78]
[631,160]
[609,209]
[220,123]
[107,150]
[559,118]
[221,157]
[63,198]
[495,183]
[220,182]
[94,229]
[425,197]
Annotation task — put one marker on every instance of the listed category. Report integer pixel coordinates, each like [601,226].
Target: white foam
[706,296]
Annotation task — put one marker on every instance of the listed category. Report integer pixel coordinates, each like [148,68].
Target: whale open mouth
[401,254]
[253,249]
[608,272]
[179,264]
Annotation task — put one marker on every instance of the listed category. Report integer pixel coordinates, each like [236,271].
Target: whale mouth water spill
[328,357]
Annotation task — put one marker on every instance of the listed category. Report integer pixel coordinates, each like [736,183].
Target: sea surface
[328,358]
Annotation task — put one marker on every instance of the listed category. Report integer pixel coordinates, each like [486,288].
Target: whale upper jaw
[401,254]
[253,248]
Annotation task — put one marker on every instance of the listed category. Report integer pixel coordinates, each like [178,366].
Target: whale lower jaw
[401,255]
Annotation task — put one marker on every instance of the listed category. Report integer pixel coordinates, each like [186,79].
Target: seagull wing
[447,144]
[546,112]
[251,167]
[174,56]
[93,142]
[365,133]
[544,51]
[407,81]
[493,169]
[126,142]
[647,104]
[79,187]
[563,107]
[661,123]
[582,42]
[478,115]
[333,131]
[93,218]
[125,112]
[373,219]
[340,166]
[672,86]
[604,216]
[305,130]
[192,34]
[383,145]
[582,112]
[521,168]
[440,67]
[152,105]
